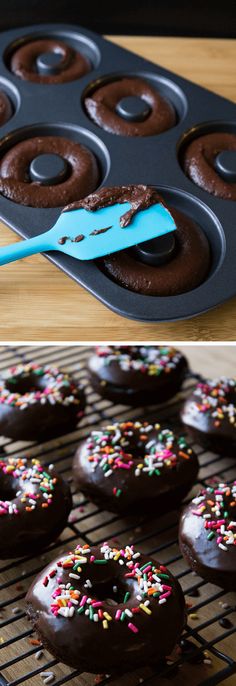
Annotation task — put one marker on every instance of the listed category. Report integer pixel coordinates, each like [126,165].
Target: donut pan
[155,160]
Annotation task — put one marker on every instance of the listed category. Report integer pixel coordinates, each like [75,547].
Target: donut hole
[51,61]
[8,487]
[112,592]
[157,251]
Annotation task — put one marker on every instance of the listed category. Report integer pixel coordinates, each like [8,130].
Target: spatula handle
[16,251]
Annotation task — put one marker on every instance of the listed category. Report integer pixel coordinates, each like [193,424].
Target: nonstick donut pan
[58,109]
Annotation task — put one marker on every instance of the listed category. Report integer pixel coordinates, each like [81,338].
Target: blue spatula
[88,235]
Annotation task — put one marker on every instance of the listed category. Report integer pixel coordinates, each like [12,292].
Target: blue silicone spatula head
[87,235]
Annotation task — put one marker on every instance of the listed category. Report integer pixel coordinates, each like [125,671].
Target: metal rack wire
[208,646]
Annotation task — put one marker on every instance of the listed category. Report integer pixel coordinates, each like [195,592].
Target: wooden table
[39,302]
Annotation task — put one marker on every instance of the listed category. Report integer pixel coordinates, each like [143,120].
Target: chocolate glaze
[72,66]
[209,414]
[30,530]
[204,556]
[5,108]
[15,181]
[38,420]
[131,489]
[101,107]
[191,260]
[84,644]
[117,373]
[198,161]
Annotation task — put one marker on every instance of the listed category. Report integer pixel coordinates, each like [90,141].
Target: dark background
[186,18]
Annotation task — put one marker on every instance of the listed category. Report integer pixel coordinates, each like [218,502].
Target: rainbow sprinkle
[56,388]
[217,506]
[154,585]
[111,449]
[145,359]
[216,398]
[36,486]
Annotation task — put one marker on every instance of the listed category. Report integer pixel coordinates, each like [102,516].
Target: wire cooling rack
[209,641]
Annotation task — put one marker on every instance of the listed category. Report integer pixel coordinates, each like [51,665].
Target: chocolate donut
[209,415]
[6,110]
[38,402]
[114,465]
[199,163]
[188,266]
[102,609]
[187,269]
[137,375]
[207,535]
[34,506]
[72,64]
[102,102]
[15,182]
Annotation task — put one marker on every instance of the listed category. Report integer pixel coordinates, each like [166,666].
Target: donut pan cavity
[57,109]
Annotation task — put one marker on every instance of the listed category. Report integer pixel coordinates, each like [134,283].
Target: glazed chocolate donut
[207,535]
[34,506]
[102,609]
[39,402]
[189,264]
[198,161]
[15,183]
[101,107]
[114,465]
[209,415]
[72,65]
[137,375]
[6,110]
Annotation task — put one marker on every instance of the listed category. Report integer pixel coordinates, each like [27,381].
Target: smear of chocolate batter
[63,240]
[140,198]
[96,232]
[79,238]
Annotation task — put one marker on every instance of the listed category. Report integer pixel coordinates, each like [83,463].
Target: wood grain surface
[17,655]
[38,302]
